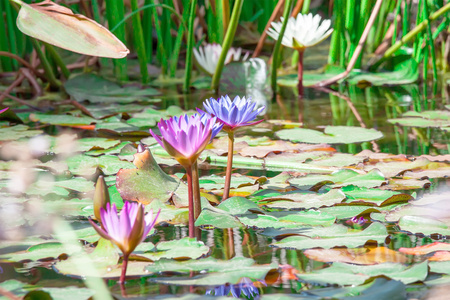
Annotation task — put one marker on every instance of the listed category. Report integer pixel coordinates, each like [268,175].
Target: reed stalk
[430,42]
[57,59]
[114,13]
[48,71]
[276,52]
[229,36]
[6,62]
[190,47]
[139,43]
[411,34]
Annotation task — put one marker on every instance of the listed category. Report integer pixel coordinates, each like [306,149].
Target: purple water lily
[233,114]
[185,137]
[126,230]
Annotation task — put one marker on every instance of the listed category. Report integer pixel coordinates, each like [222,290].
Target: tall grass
[158,33]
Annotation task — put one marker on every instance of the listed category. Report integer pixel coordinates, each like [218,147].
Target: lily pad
[99,90]
[330,135]
[375,232]
[147,182]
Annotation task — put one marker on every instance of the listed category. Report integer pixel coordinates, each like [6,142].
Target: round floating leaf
[17,132]
[331,135]
[99,90]
[376,232]
[177,249]
[422,224]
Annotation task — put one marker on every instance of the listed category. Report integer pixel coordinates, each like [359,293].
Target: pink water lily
[3,110]
[126,230]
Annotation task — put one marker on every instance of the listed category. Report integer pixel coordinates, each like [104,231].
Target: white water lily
[302,32]
[208,56]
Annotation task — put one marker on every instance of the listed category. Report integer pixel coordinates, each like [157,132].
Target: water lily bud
[101,197]
[140,148]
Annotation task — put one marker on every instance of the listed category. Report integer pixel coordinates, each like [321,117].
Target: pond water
[393,215]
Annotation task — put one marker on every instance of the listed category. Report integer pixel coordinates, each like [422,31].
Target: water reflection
[245,287]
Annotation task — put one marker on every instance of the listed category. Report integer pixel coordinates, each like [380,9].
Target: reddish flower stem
[196,191]
[226,189]
[300,73]
[191,203]
[124,268]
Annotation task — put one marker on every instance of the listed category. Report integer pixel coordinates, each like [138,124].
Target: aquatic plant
[126,230]
[3,110]
[184,138]
[208,56]
[232,114]
[101,198]
[302,32]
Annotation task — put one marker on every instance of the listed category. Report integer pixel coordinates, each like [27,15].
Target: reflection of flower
[237,113]
[302,32]
[185,137]
[245,286]
[355,221]
[208,56]
[128,229]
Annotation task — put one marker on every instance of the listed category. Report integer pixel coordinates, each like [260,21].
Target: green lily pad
[99,90]
[376,232]
[147,182]
[231,271]
[331,135]
[423,224]
[177,249]
[350,274]
[304,200]
[430,118]
[86,165]
[341,178]
[17,132]
[62,120]
[38,252]
[292,219]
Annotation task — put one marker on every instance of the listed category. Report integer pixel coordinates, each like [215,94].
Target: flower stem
[196,191]
[191,203]
[124,268]
[300,73]
[226,189]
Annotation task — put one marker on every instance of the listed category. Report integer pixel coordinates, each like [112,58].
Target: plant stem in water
[300,73]
[196,191]
[124,268]
[191,203]
[226,189]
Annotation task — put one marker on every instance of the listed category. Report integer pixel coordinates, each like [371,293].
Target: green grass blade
[140,43]
[229,36]
[190,47]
